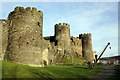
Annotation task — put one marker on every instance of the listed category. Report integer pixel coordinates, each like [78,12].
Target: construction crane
[102,53]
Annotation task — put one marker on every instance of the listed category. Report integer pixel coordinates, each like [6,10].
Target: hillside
[11,70]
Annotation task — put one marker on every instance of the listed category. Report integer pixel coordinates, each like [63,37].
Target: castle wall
[87,46]
[3,37]
[76,47]
[25,42]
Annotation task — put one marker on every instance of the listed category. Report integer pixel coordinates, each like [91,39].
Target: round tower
[62,34]
[87,46]
[25,41]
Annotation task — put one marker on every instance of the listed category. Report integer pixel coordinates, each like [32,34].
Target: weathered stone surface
[76,46]
[3,37]
[25,42]
[86,46]
[62,35]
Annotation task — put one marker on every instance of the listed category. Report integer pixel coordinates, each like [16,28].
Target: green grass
[74,60]
[12,70]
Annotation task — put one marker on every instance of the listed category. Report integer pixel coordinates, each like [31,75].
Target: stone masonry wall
[87,46]
[3,37]
[25,42]
[76,47]
[62,35]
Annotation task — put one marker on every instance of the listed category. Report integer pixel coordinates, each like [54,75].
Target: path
[106,73]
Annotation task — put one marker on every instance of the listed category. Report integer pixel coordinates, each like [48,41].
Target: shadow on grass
[80,67]
[44,76]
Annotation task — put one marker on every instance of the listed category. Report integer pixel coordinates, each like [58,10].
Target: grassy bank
[12,70]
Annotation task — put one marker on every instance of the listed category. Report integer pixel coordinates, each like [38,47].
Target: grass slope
[12,70]
[74,60]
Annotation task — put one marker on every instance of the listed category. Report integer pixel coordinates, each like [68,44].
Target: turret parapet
[62,24]
[27,9]
[84,35]
[62,28]
[87,34]
[18,8]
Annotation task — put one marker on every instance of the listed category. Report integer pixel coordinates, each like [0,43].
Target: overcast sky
[98,18]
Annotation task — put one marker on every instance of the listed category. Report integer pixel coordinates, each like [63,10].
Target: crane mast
[102,53]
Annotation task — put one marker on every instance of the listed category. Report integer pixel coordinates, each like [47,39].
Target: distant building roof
[113,57]
[103,58]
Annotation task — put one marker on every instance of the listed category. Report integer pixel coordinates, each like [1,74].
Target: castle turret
[28,18]
[25,42]
[62,34]
[86,46]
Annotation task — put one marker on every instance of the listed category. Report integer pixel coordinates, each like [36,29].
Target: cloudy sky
[98,18]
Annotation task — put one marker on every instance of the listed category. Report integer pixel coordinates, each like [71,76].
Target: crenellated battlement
[62,25]
[62,28]
[85,35]
[27,10]
[32,9]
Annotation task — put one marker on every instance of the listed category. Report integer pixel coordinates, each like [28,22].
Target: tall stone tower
[25,42]
[86,46]
[62,41]
[62,35]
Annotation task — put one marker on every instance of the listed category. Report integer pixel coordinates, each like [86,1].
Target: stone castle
[23,42]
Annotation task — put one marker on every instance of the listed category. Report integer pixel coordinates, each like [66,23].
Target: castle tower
[25,42]
[86,46]
[62,34]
